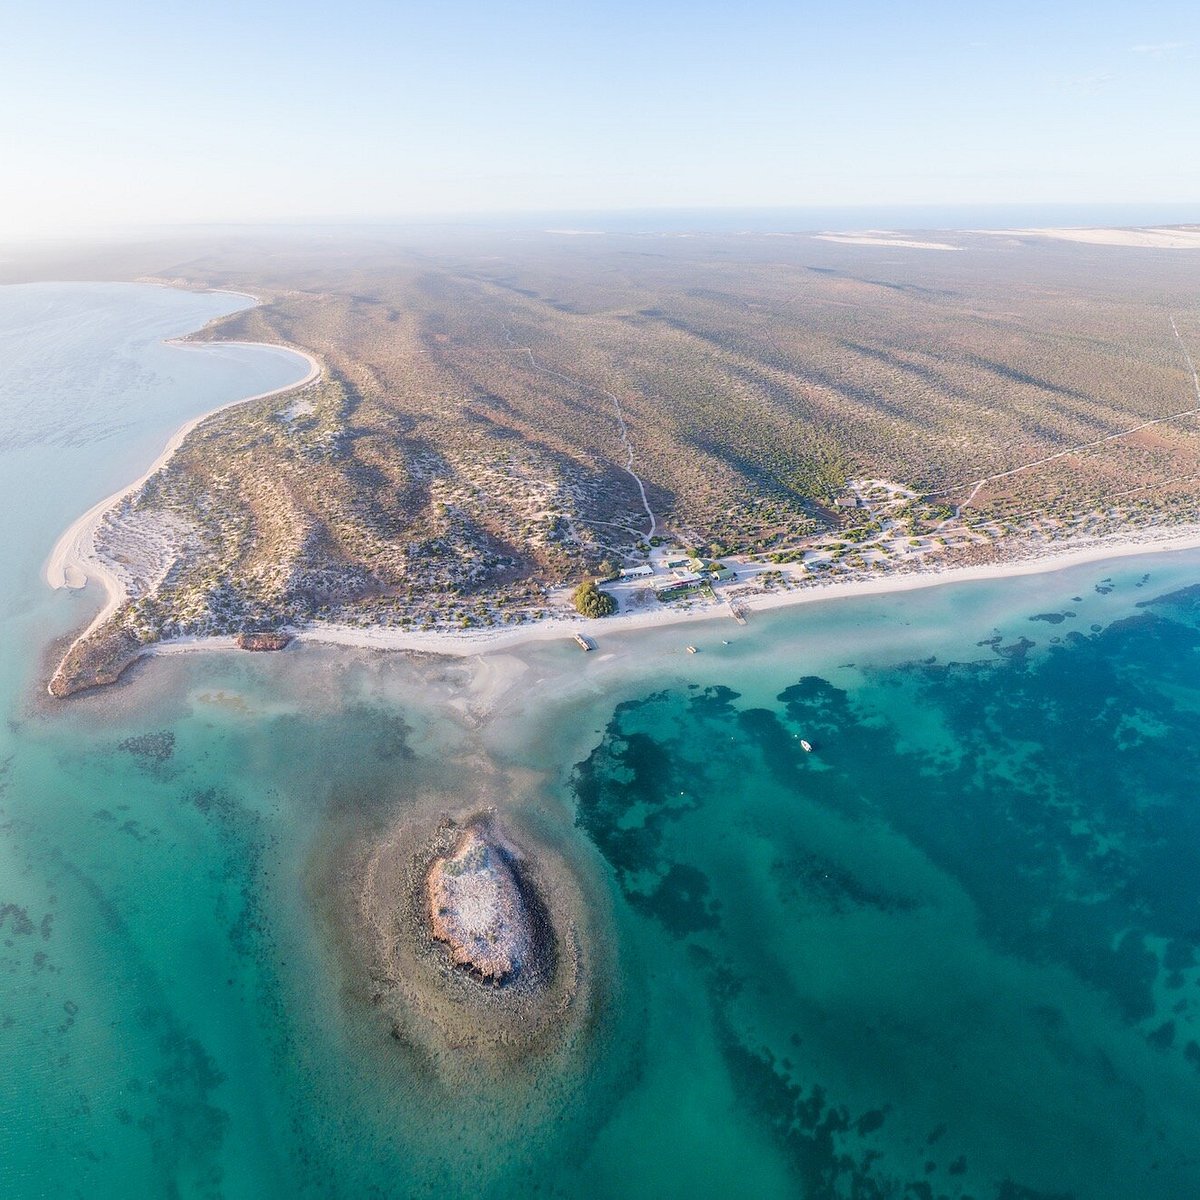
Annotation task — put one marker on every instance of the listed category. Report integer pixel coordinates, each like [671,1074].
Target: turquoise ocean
[953,952]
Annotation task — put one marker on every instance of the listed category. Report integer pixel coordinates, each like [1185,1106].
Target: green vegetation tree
[591,601]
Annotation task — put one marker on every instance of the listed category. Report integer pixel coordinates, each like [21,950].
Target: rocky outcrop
[263,641]
[477,909]
[95,661]
[475,934]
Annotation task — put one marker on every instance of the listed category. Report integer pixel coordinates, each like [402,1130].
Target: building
[686,584]
[637,572]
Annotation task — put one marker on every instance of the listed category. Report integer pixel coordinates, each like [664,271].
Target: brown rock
[263,641]
[477,909]
[96,661]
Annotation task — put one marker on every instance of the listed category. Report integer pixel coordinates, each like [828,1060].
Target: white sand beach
[477,642]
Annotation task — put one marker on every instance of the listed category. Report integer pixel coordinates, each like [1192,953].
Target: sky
[129,112]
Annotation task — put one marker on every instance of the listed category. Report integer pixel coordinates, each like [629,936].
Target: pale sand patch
[140,548]
[1154,239]
[881,237]
[303,407]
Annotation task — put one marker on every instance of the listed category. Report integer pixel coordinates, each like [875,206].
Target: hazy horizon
[697,221]
[119,116]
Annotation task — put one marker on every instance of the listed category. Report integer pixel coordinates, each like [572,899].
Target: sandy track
[622,428]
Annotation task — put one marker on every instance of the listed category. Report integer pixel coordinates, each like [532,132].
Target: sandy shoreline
[473,643]
[73,561]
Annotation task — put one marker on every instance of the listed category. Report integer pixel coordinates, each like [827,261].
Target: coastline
[481,642]
[72,562]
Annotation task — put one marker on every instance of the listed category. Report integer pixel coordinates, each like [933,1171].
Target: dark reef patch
[154,750]
[1052,785]
[1052,618]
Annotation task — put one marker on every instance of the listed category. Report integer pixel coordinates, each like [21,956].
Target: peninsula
[721,423]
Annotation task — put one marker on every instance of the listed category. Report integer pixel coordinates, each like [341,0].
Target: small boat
[692,650]
[583,642]
[806,746]
[724,641]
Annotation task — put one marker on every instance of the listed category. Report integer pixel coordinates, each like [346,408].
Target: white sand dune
[881,237]
[1187,238]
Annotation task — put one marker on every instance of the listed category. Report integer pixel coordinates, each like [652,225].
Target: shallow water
[952,952]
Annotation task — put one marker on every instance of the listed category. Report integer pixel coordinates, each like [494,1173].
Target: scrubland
[461,456]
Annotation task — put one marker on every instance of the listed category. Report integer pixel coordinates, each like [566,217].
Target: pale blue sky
[121,111]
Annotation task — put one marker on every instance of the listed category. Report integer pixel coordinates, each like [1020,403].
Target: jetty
[737,612]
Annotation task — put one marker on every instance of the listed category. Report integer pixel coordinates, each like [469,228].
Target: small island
[477,910]
[477,940]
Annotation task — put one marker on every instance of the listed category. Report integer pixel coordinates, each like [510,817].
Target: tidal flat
[950,952]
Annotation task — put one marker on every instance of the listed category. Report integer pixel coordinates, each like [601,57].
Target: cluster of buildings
[687,575]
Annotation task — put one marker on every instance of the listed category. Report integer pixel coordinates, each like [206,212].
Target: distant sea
[952,952]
